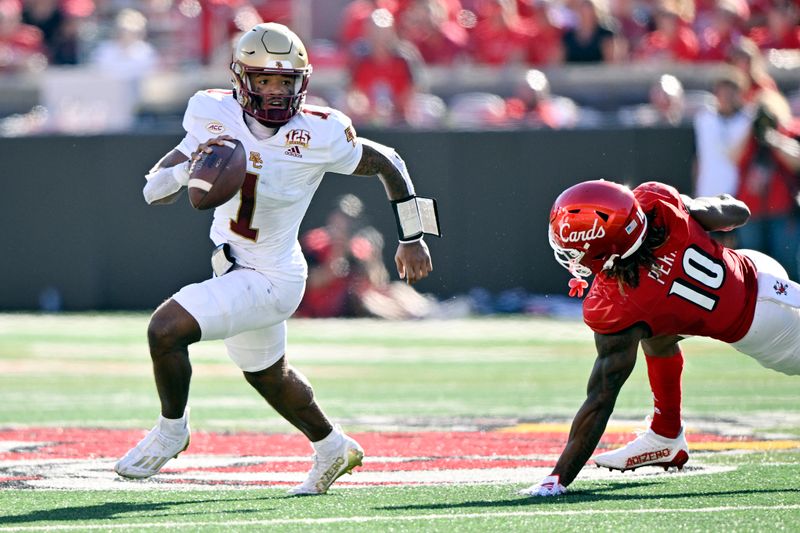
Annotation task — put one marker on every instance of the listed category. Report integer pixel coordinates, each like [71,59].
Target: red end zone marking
[17,478]
[78,443]
[75,458]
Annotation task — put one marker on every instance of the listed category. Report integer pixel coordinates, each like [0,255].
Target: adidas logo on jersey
[294,151]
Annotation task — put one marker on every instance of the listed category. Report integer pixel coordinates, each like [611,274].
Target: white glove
[165,181]
[548,487]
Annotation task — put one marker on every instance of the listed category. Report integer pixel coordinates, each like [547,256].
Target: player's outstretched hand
[413,261]
[206,146]
[549,486]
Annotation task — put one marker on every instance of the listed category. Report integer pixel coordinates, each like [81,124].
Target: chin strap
[577,286]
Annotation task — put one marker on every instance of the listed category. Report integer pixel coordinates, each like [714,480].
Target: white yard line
[406,518]
[200,472]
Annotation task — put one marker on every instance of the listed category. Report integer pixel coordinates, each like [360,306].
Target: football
[215,178]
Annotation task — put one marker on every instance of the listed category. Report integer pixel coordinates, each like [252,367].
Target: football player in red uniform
[659,277]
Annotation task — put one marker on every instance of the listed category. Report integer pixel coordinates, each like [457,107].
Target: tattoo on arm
[375,163]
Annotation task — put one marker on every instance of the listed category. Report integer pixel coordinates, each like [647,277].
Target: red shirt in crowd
[656,44]
[390,77]
[764,39]
[764,188]
[20,44]
[356,15]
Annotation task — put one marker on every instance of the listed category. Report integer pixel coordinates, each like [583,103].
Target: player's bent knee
[273,375]
[171,325]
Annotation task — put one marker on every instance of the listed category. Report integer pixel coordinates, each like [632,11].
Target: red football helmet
[593,223]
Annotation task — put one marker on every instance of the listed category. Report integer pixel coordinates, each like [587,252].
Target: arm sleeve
[345,150]
[394,158]
[165,182]
[199,111]
[188,144]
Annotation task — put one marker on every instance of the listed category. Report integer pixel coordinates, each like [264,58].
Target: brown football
[215,178]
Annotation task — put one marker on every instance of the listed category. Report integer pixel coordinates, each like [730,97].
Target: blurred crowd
[346,273]
[746,146]
[386,48]
[745,127]
[435,32]
[347,277]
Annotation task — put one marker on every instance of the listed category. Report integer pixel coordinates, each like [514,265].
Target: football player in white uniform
[259,269]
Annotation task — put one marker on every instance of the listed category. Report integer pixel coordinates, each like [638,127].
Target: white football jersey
[261,223]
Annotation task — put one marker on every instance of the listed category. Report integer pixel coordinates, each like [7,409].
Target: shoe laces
[156,439]
[641,432]
[642,440]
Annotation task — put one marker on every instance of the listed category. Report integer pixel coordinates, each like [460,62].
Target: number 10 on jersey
[705,271]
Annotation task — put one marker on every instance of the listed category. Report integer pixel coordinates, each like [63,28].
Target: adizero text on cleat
[648,449]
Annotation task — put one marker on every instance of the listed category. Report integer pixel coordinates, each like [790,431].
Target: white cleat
[329,468]
[152,453]
[648,449]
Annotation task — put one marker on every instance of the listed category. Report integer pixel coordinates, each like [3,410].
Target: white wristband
[181,173]
[164,182]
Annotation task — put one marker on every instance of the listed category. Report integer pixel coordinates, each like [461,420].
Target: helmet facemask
[569,258]
[270,49]
[253,101]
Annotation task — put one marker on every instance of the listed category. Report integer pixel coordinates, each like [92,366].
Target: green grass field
[84,379]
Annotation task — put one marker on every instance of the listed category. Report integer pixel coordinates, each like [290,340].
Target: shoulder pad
[326,114]
[653,191]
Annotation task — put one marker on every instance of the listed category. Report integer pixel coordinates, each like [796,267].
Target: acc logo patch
[298,137]
[215,127]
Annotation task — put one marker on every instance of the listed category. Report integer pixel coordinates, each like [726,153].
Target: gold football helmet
[270,48]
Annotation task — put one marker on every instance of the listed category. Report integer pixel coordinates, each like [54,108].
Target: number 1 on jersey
[247,205]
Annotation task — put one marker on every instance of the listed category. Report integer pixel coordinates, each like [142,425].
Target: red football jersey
[697,287]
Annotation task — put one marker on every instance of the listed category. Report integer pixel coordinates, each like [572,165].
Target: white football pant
[774,336]
[248,310]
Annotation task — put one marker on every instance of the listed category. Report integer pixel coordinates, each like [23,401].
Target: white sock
[329,443]
[173,426]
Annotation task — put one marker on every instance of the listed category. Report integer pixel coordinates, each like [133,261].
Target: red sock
[665,382]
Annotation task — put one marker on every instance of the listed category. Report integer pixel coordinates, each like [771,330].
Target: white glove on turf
[548,487]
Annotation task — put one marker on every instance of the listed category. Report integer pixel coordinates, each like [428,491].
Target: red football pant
[665,382]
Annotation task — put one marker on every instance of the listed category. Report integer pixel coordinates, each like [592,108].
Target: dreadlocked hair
[626,271]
